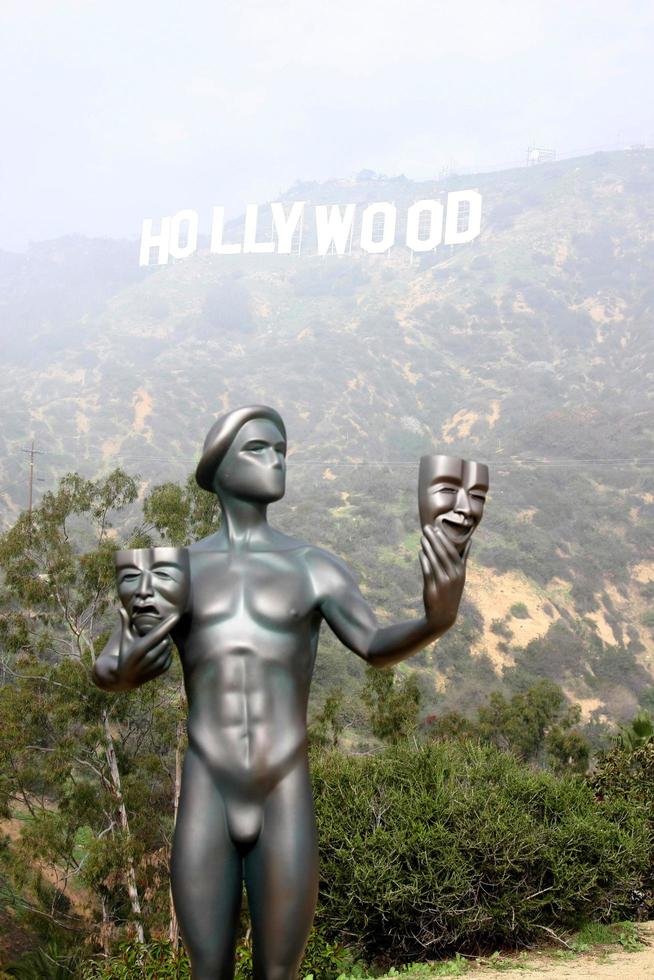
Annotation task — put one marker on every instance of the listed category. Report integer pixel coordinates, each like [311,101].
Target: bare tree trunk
[105,930]
[173,931]
[130,873]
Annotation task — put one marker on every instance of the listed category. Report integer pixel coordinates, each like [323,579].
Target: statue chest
[269,590]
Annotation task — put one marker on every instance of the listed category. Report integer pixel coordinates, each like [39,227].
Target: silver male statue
[247,630]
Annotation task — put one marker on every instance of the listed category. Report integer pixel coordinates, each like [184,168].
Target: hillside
[531,349]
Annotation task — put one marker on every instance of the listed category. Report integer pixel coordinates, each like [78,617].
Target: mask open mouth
[145,618]
[147,608]
[146,614]
[458,529]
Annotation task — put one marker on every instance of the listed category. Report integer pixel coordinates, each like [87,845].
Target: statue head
[451,495]
[244,455]
[152,584]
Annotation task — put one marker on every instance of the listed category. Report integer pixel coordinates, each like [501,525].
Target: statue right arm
[129,660]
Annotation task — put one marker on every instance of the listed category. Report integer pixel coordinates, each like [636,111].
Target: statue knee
[277,973]
[212,968]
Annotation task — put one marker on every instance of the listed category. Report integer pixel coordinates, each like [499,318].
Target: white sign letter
[217,224]
[456,207]
[434,234]
[250,243]
[368,244]
[183,251]
[284,226]
[333,227]
[149,240]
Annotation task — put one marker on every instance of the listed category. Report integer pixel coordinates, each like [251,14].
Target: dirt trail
[605,963]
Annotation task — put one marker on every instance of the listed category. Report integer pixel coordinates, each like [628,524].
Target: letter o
[435,236]
[183,251]
[389,212]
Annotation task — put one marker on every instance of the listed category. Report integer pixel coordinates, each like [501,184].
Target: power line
[295,459]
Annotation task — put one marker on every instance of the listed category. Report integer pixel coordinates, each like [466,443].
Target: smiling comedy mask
[451,495]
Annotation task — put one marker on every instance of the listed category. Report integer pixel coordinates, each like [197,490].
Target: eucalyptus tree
[90,776]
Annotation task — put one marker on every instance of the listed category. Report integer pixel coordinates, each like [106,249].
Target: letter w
[333,227]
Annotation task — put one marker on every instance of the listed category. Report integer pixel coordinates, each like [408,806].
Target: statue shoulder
[328,572]
[210,543]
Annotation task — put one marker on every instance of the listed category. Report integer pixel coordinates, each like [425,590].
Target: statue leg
[281,876]
[206,875]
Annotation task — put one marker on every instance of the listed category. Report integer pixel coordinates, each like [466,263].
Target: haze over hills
[531,348]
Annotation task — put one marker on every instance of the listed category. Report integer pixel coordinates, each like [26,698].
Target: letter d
[456,207]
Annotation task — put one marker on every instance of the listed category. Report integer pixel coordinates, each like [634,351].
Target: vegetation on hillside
[527,348]
[457,812]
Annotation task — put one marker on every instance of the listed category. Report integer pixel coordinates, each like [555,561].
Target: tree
[451,725]
[568,750]
[534,724]
[637,733]
[327,727]
[393,704]
[181,514]
[93,774]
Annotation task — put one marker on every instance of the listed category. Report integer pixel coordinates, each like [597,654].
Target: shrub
[451,846]
[500,628]
[626,775]
[519,610]
[158,961]
[151,961]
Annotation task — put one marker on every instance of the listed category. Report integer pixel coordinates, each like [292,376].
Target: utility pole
[29,505]
[32,452]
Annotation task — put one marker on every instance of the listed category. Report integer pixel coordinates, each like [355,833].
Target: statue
[245,614]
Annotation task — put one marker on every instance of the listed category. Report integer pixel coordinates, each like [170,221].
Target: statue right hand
[141,658]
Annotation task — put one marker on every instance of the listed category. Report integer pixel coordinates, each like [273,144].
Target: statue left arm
[354,622]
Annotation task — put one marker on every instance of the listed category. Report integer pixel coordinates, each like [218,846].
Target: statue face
[254,466]
[152,584]
[451,495]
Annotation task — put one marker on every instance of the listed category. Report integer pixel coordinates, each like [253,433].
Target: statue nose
[144,587]
[462,502]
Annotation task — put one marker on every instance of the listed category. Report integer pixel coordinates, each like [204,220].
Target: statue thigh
[281,877]
[206,875]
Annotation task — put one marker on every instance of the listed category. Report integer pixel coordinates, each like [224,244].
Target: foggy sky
[116,111]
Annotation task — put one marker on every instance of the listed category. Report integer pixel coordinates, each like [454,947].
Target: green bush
[152,961]
[454,846]
[625,775]
[519,610]
[450,846]
[500,628]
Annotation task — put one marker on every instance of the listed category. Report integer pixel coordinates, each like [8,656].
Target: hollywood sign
[425,225]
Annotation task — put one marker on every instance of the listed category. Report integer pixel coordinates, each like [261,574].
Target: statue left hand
[444,575]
